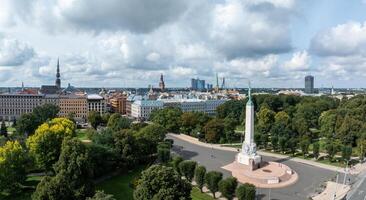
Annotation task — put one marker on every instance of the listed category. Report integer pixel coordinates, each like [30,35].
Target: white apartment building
[96,103]
[142,109]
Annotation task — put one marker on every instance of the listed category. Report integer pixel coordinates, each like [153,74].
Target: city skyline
[275,43]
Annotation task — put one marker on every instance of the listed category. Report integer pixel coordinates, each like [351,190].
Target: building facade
[12,106]
[142,109]
[118,103]
[97,103]
[309,84]
[197,84]
[74,104]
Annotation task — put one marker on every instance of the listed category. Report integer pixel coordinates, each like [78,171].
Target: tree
[169,118]
[304,145]
[187,168]
[3,129]
[346,152]
[149,137]
[227,187]
[282,142]
[29,122]
[100,195]
[361,147]
[116,122]
[126,148]
[214,130]
[189,122]
[274,142]
[199,176]
[94,119]
[26,124]
[176,161]
[245,192]
[164,152]
[229,129]
[266,119]
[72,180]
[332,147]
[212,180]
[316,148]
[45,144]
[292,144]
[12,167]
[162,183]
[45,112]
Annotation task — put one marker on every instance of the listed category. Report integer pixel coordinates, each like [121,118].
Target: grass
[119,186]
[25,195]
[197,195]
[11,129]
[81,134]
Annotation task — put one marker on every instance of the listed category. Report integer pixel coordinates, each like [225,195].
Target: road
[310,178]
[358,192]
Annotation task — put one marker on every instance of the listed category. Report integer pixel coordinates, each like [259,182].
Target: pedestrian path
[334,191]
[355,170]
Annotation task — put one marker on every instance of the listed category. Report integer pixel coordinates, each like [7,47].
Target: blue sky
[129,43]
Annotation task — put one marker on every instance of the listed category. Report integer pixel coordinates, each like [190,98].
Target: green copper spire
[249,95]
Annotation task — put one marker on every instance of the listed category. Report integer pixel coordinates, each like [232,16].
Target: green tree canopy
[94,119]
[45,144]
[187,168]
[169,118]
[227,187]
[212,180]
[162,183]
[199,176]
[12,167]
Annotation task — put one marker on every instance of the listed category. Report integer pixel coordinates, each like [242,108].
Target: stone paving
[333,188]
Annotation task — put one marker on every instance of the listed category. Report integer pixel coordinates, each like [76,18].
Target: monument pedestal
[253,161]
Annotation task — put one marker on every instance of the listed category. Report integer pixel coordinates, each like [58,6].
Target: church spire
[58,80]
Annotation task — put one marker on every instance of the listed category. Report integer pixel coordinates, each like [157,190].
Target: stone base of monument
[268,175]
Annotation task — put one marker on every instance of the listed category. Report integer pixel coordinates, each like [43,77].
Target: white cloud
[341,40]
[342,49]
[242,28]
[14,52]
[299,62]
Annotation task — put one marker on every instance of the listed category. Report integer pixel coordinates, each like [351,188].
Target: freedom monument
[248,166]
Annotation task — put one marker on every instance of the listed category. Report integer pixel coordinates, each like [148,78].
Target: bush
[199,176]
[176,161]
[227,187]
[187,168]
[212,180]
[245,192]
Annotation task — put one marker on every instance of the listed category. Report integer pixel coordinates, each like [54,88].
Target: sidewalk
[357,169]
[332,189]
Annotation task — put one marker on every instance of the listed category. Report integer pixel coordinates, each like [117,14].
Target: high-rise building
[161,83]
[309,84]
[197,84]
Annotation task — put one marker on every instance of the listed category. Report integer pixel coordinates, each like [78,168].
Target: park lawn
[197,195]
[81,134]
[25,195]
[119,186]
[11,129]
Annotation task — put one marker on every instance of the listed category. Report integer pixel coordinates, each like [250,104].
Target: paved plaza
[311,180]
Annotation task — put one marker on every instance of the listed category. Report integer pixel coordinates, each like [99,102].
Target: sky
[129,43]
